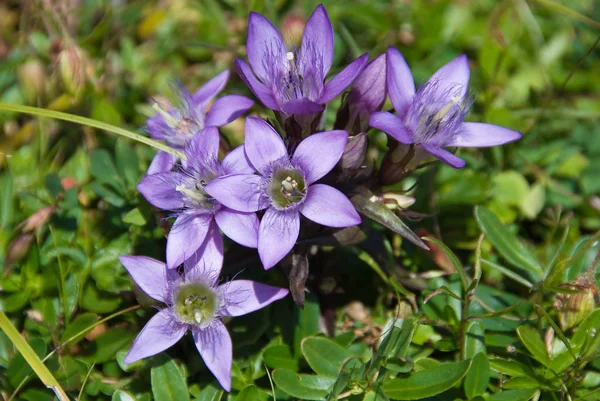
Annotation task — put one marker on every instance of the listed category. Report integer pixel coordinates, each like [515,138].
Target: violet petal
[210,89]
[447,157]
[159,190]
[205,264]
[392,125]
[263,39]
[301,106]
[329,207]
[226,109]
[341,81]
[260,90]
[204,145]
[318,36]
[236,162]
[277,235]
[480,135]
[319,153]
[451,80]
[148,273]
[245,296]
[161,163]
[239,192]
[369,89]
[186,236]
[241,227]
[262,143]
[400,82]
[214,345]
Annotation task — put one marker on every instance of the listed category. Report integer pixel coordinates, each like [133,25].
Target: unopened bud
[32,79]
[354,154]
[573,308]
[368,93]
[18,249]
[395,200]
[72,67]
[36,220]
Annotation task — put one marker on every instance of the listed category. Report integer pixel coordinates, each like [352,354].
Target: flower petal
[318,36]
[480,135]
[277,235]
[161,163]
[204,145]
[150,274]
[369,89]
[341,81]
[245,296]
[236,162]
[186,236]
[452,79]
[239,192]
[263,40]
[328,206]
[263,145]
[260,90]
[319,153]
[210,89]
[445,156]
[301,106]
[239,226]
[214,345]
[400,82]
[206,263]
[159,190]
[226,109]
[161,332]
[392,125]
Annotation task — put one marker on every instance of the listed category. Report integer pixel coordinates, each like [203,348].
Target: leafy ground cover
[502,307]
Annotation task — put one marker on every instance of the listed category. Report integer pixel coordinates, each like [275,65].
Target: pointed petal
[245,296]
[161,332]
[301,106]
[206,263]
[260,90]
[214,345]
[263,145]
[226,109]
[401,84]
[445,156]
[263,40]
[480,135]
[328,206]
[210,89]
[341,81]
[161,163]
[236,162]
[186,236]
[319,153]
[277,235]
[452,79]
[159,190]
[148,273]
[204,145]
[369,89]
[392,125]
[239,192]
[239,226]
[318,36]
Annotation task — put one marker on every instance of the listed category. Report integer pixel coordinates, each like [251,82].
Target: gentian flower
[368,93]
[432,117]
[197,212]
[197,303]
[176,124]
[286,187]
[293,81]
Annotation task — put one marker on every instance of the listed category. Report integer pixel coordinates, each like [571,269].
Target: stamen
[169,119]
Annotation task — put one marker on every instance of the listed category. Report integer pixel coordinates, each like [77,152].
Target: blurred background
[68,203]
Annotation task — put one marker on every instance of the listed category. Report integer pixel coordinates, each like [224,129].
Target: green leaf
[134,217]
[395,344]
[210,393]
[79,324]
[305,387]
[509,187]
[510,367]
[377,395]
[104,170]
[478,376]
[532,341]
[586,339]
[168,384]
[474,339]
[121,395]
[370,205]
[252,393]
[505,242]
[324,356]
[534,202]
[428,382]
[457,265]
[279,356]
[513,395]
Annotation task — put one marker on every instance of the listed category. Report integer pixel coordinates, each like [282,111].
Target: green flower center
[287,187]
[195,303]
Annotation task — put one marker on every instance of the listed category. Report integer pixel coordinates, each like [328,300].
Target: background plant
[496,320]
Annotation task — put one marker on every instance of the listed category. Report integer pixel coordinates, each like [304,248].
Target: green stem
[31,357]
[36,111]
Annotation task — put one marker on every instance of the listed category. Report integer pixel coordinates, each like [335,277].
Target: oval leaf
[532,341]
[168,384]
[478,377]
[324,356]
[300,386]
[428,382]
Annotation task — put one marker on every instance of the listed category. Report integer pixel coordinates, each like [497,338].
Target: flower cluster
[290,184]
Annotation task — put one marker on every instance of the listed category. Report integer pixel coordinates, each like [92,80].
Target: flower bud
[573,308]
[354,154]
[395,200]
[18,248]
[32,79]
[72,67]
[368,93]
[36,220]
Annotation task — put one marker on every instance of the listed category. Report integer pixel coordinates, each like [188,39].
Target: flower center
[196,304]
[287,187]
[293,82]
[195,193]
[183,125]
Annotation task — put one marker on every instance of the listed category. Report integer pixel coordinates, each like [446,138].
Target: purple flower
[194,302]
[286,187]
[432,116]
[293,81]
[368,92]
[177,124]
[198,214]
